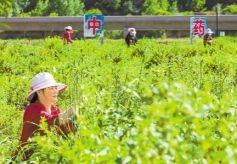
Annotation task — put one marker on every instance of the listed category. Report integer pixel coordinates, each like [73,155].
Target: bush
[94,11]
[231,9]
[161,101]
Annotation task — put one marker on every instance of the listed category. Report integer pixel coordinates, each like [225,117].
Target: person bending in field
[67,35]
[208,37]
[42,98]
[131,38]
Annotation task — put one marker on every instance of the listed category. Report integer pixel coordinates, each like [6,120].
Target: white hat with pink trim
[43,80]
[132,30]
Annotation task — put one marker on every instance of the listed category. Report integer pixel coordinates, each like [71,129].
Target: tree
[131,7]
[127,7]
[66,7]
[172,6]
[30,7]
[40,8]
[108,7]
[156,7]
[190,5]
[231,9]
[211,3]
[6,7]
[48,7]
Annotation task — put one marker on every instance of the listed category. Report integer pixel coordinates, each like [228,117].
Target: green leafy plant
[231,9]
[160,101]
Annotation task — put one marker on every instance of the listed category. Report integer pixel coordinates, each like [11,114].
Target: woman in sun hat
[131,38]
[42,98]
[67,34]
[208,37]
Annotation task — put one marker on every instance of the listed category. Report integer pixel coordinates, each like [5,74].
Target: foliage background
[112,7]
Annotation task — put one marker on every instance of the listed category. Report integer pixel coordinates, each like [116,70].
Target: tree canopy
[111,7]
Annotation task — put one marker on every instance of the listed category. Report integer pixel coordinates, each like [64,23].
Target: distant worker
[67,34]
[208,37]
[131,38]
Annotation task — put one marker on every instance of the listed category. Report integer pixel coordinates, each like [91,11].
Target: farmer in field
[67,35]
[42,98]
[208,37]
[131,38]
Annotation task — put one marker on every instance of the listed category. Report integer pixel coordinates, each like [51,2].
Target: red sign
[94,24]
[198,27]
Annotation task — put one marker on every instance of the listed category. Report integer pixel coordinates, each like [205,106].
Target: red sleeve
[30,125]
[52,119]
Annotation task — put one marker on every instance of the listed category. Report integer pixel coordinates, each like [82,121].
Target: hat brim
[210,32]
[61,87]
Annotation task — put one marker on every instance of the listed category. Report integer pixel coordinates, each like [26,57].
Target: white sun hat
[68,28]
[209,31]
[43,80]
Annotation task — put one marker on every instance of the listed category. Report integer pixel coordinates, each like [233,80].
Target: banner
[93,25]
[198,27]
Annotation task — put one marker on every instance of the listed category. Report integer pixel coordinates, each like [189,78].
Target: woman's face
[49,94]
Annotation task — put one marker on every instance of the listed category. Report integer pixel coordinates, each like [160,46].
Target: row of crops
[162,101]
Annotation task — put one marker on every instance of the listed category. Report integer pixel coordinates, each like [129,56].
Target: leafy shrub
[94,11]
[153,102]
[231,9]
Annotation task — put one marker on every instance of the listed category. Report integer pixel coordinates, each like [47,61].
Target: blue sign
[198,27]
[93,25]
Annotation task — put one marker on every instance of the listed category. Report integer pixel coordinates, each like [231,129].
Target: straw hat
[41,81]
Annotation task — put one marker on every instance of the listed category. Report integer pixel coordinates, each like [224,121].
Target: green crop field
[161,101]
